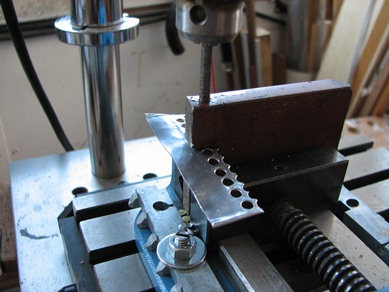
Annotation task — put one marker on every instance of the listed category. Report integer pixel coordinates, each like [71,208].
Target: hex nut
[182,252]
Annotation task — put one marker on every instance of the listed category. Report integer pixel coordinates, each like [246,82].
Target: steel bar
[248,266]
[123,274]
[103,242]
[102,88]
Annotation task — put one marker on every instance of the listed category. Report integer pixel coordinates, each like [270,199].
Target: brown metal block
[251,124]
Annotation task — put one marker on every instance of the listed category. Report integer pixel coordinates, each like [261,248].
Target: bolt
[182,239]
[182,244]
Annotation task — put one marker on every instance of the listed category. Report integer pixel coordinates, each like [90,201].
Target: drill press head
[209,21]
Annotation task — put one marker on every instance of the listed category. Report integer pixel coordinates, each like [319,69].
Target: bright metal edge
[369,226]
[127,30]
[187,159]
[42,187]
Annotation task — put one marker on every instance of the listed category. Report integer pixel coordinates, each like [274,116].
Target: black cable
[46,26]
[24,57]
[172,35]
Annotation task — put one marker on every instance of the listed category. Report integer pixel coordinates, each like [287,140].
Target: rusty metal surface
[251,124]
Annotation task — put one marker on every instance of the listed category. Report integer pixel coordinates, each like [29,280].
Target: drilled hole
[207,152]
[198,15]
[213,161]
[279,168]
[236,193]
[247,205]
[352,203]
[160,206]
[220,172]
[183,125]
[180,120]
[228,182]
[79,190]
[149,175]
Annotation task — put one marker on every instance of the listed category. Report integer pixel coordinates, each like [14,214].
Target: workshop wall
[153,80]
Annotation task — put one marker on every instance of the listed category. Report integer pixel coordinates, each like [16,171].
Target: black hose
[24,57]
[172,35]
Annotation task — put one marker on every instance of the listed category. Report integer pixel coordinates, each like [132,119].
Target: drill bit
[205,73]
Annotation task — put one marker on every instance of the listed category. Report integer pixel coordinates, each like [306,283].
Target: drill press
[239,158]
[209,23]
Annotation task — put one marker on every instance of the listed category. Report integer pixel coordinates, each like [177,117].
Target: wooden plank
[279,69]
[373,52]
[263,58]
[266,56]
[377,92]
[8,249]
[338,57]
[383,102]
[4,155]
[9,276]
[251,124]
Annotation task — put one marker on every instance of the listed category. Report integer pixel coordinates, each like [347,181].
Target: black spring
[318,252]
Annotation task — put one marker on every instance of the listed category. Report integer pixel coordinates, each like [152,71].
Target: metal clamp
[126,30]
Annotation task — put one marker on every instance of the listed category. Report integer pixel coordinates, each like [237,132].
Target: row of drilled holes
[226,181]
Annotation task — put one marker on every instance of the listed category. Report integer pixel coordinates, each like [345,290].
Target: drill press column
[209,23]
[99,27]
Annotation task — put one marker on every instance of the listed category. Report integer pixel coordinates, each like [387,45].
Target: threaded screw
[182,239]
[318,252]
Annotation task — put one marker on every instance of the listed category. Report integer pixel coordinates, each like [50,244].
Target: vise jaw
[249,148]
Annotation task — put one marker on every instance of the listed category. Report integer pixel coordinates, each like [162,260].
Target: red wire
[213,79]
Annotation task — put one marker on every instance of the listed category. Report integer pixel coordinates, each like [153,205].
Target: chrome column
[99,27]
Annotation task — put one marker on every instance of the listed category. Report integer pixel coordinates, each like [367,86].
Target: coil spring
[318,252]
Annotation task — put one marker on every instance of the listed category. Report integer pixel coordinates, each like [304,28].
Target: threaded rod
[318,252]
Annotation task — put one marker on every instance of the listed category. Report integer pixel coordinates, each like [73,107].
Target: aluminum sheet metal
[218,193]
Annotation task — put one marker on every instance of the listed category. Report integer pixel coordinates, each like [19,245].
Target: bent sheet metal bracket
[217,198]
